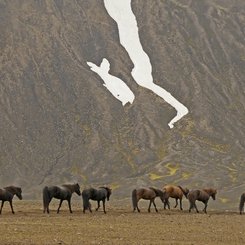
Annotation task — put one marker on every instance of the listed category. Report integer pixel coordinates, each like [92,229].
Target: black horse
[100,194]
[63,192]
[7,194]
[242,201]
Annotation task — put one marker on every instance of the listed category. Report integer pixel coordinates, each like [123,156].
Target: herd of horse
[64,192]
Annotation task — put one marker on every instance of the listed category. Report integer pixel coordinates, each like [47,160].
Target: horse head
[163,195]
[19,193]
[108,193]
[14,190]
[211,192]
[214,192]
[185,191]
[77,189]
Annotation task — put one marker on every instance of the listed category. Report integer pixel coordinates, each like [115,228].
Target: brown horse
[242,201]
[201,195]
[7,194]
[176,192]
[147,194]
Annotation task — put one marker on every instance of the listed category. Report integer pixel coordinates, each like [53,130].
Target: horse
[63,192]
[242,200]
[201,195]
[147,194]
[176,192]
[100,194]
[7,194]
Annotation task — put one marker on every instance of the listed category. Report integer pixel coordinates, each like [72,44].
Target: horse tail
[86,203]
[241,205]
[134,198]
[155,190]
[185,192]
[46,198]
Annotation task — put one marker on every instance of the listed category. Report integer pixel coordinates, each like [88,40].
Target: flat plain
[118,226]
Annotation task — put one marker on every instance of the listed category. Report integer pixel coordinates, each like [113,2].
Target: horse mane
[185,191]
[157,191]
[12,188]
[70,186]
[210,191]
[106,188]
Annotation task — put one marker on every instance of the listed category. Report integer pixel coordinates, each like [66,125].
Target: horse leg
[205,208]
[1,207]
[58,210]
[11,205]
[149,208]
[193,205]
[168,203]
[47,208]
[84,208]
[137,206]
[196,207]
[69,204]
[98,205]
[47,205]
[155,205]
[176,202]
[180,203]
[89,207]
[104,206]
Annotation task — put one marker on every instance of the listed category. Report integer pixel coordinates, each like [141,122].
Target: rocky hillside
[59,124]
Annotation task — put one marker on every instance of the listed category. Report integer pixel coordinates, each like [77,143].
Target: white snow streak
[121,12]
[116,86]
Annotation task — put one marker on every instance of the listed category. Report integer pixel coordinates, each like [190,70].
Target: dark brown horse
[7,194]
[201,195]
[175,192]
[63,192]
[147,194]
[242,201]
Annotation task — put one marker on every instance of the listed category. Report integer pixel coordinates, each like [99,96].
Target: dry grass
[119,226]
